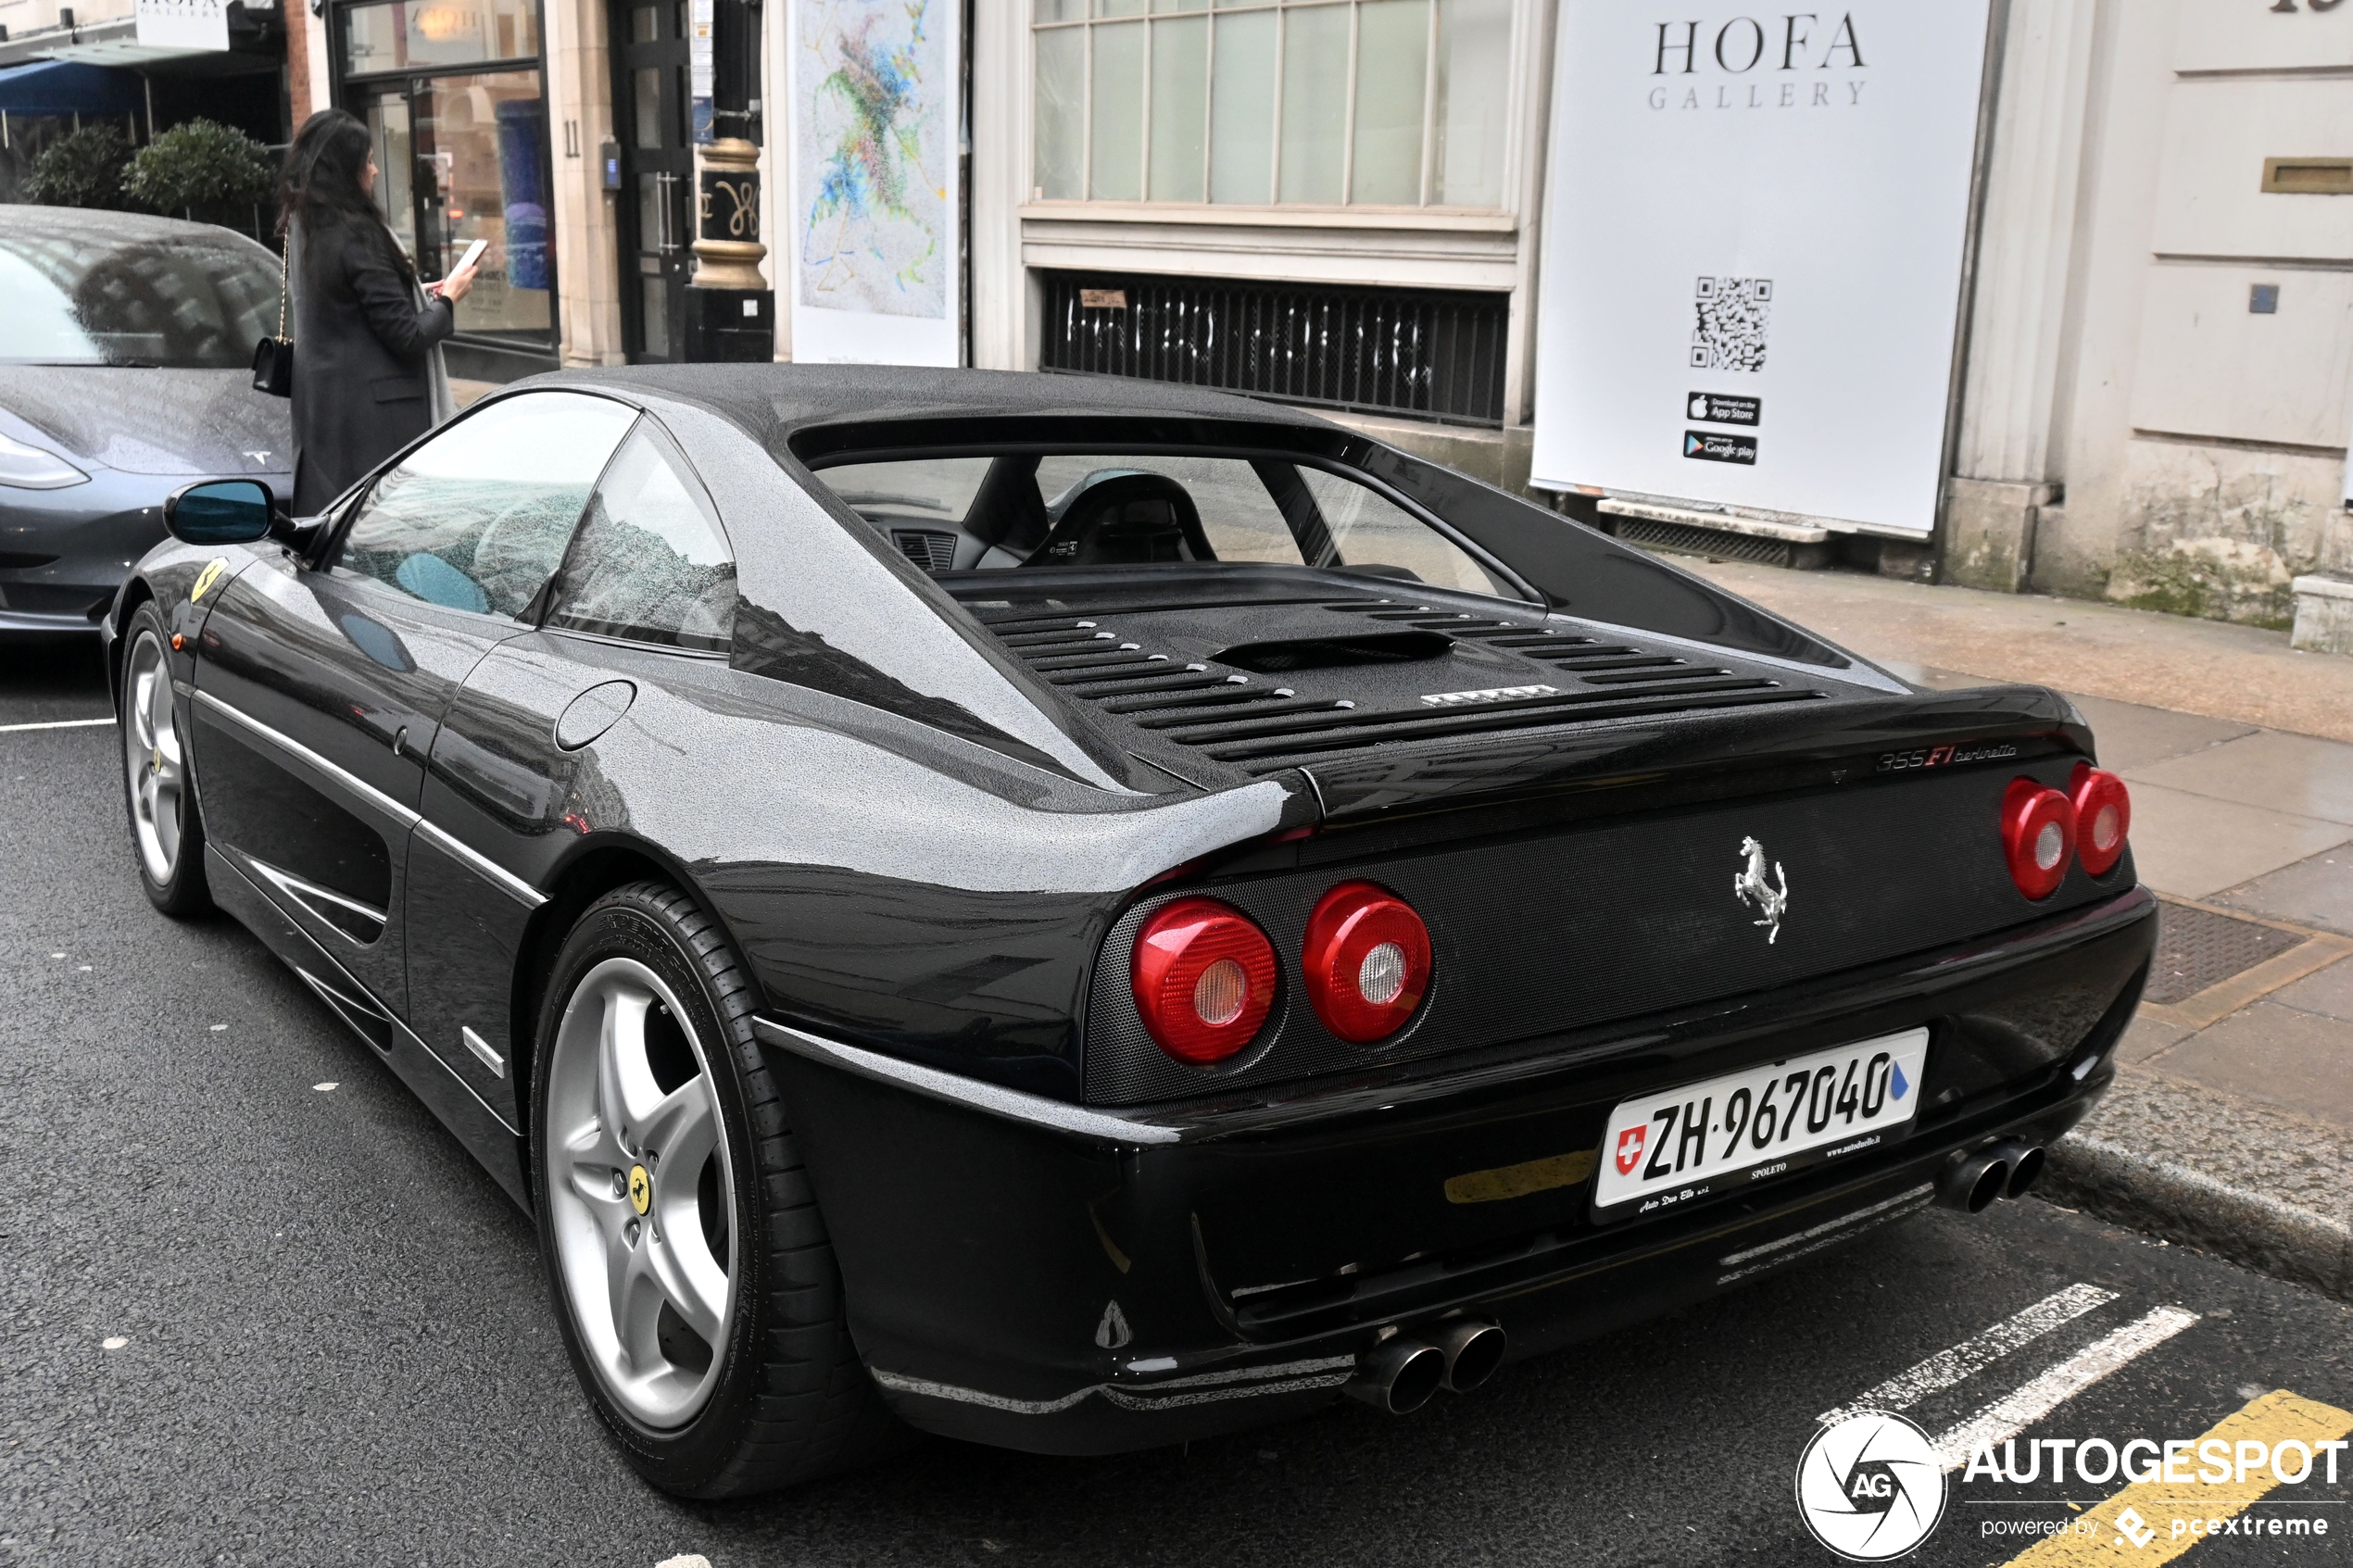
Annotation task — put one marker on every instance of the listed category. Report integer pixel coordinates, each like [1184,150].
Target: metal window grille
[1423,353]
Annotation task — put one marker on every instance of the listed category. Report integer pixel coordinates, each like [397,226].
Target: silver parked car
[126,356]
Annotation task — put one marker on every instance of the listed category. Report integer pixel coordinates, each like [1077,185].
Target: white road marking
[1974,1354]
[114,1342]
[2007,1416]
[56,725]
[322,1088]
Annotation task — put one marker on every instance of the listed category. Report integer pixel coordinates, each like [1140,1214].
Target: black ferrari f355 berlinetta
[1081,915]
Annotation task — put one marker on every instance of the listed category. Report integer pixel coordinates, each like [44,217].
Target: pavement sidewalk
[2230,1124]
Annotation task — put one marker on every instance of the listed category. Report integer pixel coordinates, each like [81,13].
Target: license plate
[1701,1140]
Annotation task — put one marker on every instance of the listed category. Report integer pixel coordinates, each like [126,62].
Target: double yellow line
[2101,1540]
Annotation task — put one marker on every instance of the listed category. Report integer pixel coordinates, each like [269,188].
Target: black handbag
[273,356]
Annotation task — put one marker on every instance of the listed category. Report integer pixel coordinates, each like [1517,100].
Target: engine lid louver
[1157,671]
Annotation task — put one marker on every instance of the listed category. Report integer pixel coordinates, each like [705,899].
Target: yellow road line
[2274,1419]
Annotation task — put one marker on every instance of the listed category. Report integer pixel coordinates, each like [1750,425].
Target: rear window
[197,302]
[1024,512]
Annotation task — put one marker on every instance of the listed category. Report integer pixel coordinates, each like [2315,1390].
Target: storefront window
[482,141]
[461,153]
[421,34]
[1389,103]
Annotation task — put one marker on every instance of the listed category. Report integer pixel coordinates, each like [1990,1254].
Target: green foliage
[83,170]
[201,168]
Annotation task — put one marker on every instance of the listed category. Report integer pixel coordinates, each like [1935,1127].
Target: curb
[2178,1204]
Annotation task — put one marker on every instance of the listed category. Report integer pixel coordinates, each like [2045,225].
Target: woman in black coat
[367,376]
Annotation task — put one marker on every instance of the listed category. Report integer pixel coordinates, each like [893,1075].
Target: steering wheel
[1124,517]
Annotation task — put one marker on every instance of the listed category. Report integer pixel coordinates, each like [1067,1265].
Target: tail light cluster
[2042,828]
[1205,973]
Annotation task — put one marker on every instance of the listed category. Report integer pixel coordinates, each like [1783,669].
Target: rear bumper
[1050,1277]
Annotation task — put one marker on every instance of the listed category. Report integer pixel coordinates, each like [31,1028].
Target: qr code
[1734,314]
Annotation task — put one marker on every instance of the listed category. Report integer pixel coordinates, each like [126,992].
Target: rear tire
[158,783]
[693,1278]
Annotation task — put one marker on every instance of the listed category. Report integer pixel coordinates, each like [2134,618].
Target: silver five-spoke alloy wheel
[152,754]
[639,1193]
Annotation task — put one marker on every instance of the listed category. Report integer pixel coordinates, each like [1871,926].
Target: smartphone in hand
[474,254]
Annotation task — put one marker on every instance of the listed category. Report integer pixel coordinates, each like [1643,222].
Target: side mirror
[220,512]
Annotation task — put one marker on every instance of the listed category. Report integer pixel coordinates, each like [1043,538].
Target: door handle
[667,242]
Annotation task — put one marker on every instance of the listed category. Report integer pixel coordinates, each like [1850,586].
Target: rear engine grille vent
[934,552]
[1263,724]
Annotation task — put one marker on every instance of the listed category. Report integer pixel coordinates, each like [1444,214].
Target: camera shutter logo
[1870,1487]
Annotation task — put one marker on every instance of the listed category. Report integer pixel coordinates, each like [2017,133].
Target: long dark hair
[321,181]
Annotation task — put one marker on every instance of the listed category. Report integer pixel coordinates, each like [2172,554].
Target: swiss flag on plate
[1629,1148]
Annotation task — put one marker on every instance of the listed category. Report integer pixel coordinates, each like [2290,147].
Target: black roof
[773,401]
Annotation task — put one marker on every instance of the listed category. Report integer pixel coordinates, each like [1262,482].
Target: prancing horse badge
[1751,888]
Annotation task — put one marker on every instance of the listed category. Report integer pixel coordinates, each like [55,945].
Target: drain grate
[2196,948]
[1681,539]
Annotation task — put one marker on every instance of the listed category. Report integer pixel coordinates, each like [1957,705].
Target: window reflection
[409,33]
[480,166]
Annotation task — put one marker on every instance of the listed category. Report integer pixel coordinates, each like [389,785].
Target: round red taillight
[1204,979]
[1366,962]
[2038,836]
[2103,817]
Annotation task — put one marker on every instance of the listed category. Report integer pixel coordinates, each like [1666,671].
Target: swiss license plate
[1704,1140]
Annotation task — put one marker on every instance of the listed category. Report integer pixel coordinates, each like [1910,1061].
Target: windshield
[197,301]
[1014,511]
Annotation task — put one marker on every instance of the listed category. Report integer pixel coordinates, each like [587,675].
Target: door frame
[629,284]
[350,93]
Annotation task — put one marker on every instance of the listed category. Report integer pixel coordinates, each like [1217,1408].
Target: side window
[650,562]
[1372,533]
[476,518]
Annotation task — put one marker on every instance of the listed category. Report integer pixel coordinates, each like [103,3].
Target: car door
[640,614]
[322,682]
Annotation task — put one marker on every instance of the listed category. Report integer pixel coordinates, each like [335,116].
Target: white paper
[871,222]
[1767,211]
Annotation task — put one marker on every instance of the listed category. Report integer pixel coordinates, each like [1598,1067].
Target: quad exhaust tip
[1405,1371]
[2002,1169]
[1474,1349]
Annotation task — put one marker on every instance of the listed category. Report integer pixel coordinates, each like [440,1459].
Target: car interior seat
[1124,517]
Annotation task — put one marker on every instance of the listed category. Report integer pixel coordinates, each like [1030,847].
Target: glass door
[656,204]
[387,117]
[455,103]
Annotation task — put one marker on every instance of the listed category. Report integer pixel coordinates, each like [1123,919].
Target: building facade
[1341,202]
[2161,341]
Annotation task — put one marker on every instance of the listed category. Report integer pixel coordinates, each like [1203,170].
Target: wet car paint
[918,849]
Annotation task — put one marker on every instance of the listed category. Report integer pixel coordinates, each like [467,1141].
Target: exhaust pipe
[1398,1375]
[1473,1349]
[2026,1168]
[1972,1183]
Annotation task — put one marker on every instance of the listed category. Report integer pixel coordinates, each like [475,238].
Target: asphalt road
[335,1348]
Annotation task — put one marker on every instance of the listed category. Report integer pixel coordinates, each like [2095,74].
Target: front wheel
[696,1290]
[167,832]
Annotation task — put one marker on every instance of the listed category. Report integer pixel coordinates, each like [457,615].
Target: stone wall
[2221,531]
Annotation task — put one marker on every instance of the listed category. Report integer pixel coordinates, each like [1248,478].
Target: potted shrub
[204,171]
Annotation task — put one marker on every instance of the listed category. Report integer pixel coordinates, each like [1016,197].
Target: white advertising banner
[183,24]
[1753,247]
[872,224]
